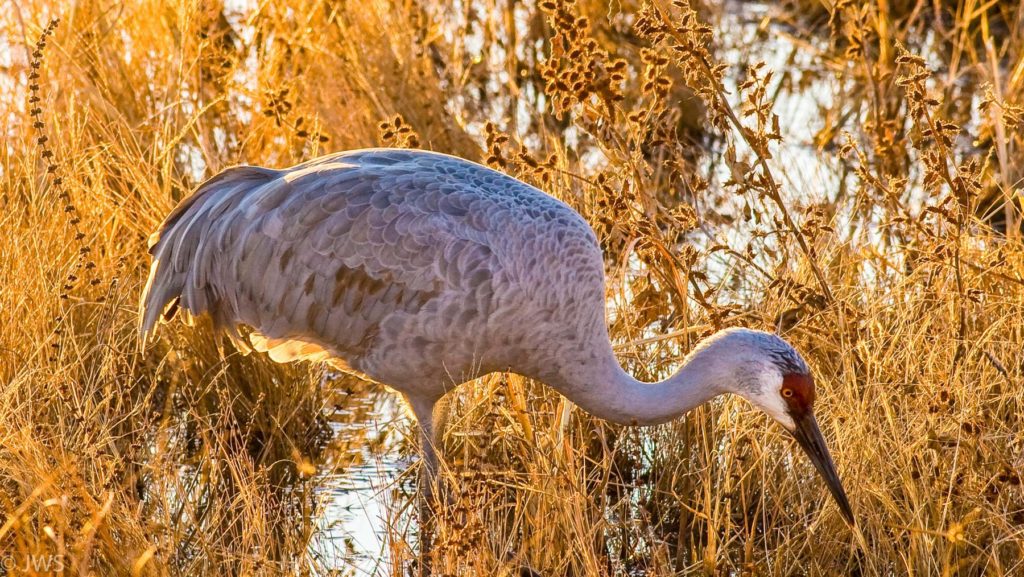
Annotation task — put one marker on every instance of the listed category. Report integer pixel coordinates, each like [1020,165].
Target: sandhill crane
[424,271]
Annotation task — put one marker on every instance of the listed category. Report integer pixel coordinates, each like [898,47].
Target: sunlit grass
[898,274]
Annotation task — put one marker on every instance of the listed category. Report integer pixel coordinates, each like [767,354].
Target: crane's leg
[431,416]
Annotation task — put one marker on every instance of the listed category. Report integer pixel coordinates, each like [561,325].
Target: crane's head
[771,374]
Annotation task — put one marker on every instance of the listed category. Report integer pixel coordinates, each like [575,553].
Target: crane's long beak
[809,436]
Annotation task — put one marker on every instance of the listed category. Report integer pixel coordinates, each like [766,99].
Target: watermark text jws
[20,565]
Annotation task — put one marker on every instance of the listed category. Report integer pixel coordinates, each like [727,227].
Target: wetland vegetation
[845,173]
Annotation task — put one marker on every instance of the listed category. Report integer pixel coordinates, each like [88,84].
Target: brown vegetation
[876,223]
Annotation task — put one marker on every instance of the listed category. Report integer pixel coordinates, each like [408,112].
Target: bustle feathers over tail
[176,275]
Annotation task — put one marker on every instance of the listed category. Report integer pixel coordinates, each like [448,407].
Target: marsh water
[364,483]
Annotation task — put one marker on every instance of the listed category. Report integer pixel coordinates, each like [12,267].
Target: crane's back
[407,266]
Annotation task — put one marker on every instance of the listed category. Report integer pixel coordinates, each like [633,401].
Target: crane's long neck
[597,383]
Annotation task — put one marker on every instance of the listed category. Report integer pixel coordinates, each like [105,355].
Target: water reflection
[365,482]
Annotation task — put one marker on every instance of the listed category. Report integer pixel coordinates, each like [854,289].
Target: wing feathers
[167,277]
[319,259]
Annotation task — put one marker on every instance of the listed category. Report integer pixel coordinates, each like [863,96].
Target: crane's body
[423,271]
[417,269]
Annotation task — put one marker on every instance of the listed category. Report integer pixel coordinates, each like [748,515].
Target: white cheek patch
[769,399]
[773,404]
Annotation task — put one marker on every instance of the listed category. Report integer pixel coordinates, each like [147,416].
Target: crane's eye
[787,393]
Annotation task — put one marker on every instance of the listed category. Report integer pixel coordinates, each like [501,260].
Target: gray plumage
[406,265]
[423,271]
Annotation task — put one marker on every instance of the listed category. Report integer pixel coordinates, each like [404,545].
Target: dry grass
[894,262]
